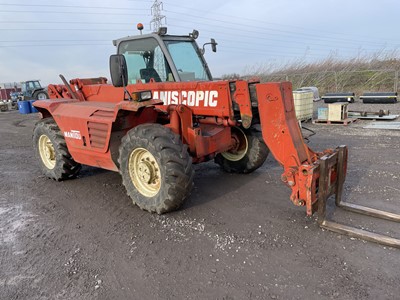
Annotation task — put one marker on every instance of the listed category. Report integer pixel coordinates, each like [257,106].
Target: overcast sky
[41,39]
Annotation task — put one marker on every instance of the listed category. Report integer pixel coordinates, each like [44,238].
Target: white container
[337,111]
[312,89]
[303,104]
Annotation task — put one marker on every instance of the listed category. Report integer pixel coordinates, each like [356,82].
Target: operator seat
[149,73]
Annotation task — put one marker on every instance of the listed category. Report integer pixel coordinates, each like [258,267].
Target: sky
[40,39]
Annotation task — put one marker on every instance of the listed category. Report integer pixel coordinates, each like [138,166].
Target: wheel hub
[235,144]
[144,172]
[47,152]
[42,96]
[147,172]
[240,145]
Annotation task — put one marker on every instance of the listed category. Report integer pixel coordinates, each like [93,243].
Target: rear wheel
[248,154]
[51,151]
[40,95]
[156,168]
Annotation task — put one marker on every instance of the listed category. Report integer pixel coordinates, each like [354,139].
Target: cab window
[145,61]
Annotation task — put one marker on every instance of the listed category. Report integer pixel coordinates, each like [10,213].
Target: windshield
[187,60]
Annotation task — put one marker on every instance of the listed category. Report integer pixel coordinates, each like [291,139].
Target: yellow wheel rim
[46,151]
[145,172]
[241,145]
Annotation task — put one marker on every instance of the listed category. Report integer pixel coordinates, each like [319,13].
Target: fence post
[336,84]
[396,81]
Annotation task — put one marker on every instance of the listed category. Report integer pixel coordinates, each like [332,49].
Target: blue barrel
[33,109]
[24,107]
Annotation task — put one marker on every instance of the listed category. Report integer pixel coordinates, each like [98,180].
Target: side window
[135,63]
[145,61]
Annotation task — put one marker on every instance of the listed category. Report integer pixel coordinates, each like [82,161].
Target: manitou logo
[73,134]
[189,98]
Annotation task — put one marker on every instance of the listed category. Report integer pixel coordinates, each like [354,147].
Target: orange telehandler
[164,112]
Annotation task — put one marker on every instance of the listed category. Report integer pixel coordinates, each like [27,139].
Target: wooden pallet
[341,122]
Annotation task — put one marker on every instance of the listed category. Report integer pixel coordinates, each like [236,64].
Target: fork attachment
[326,188]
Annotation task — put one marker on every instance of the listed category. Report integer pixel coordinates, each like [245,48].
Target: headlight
[142,96]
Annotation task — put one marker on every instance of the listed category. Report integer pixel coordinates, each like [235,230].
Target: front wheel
[248,154]
[156,168]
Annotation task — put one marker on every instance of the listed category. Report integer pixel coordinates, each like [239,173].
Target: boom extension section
[282,135]
[313,177]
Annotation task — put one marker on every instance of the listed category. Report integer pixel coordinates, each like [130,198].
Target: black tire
[250,160]
[166,179]
[40,95]
[62,166]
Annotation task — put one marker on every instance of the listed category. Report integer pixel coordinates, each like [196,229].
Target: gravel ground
[237,236]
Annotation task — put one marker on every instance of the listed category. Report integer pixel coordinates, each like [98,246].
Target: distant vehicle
[33,90]
[15,96]
[312,89]
[6,89]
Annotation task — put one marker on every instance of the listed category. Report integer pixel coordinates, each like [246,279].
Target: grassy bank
[374,73]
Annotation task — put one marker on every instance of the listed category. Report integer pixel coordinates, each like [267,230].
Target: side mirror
[118,70]
[213,45]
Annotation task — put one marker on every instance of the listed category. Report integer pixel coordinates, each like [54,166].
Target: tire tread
[173,157]
[65,167]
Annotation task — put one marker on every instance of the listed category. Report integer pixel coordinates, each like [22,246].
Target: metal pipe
[68,87]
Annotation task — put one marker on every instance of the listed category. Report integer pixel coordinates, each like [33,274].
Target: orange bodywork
[202,113]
